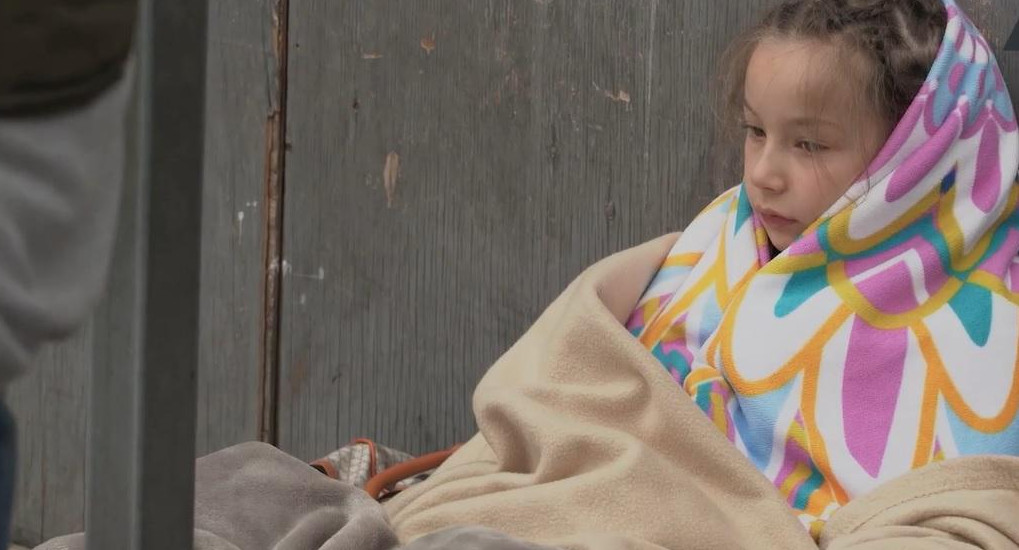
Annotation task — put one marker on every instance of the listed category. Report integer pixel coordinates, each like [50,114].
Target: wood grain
[533,138]
[24,399]
[243,99]
[50,491]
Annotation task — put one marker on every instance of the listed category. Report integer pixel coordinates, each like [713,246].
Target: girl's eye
[753,131]
[811,146]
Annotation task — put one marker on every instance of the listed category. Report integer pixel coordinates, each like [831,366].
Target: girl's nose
[765,171]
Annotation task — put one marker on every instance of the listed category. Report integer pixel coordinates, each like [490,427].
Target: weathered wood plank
[533,138]
[51,488]
[24,398]
[65,401]
[243,95]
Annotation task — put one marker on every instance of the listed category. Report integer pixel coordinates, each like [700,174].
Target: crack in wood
[275,162]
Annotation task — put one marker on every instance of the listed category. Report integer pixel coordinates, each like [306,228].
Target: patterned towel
[885,337]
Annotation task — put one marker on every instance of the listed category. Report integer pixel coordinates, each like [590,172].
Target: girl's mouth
[772,219]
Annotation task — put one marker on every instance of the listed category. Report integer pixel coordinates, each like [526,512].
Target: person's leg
[60,182]
[62,136]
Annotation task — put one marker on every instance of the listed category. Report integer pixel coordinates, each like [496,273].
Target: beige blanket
[586,442]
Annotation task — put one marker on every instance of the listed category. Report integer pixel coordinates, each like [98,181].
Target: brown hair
[891,44]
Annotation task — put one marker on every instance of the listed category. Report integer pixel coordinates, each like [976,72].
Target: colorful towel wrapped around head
[885,337]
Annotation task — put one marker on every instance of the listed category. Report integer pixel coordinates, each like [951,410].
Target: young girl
[849,312]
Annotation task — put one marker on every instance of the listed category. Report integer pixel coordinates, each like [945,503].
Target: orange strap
[327,467]
[399,472]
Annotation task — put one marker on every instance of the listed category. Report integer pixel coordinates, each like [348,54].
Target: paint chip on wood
[622,96]
[428,44]
[619,97]
[389,174]
[288,271]
[371,55]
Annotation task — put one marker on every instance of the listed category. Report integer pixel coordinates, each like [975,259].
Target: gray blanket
[254,497]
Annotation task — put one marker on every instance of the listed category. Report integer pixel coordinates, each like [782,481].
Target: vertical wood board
[524,141]
[242,101]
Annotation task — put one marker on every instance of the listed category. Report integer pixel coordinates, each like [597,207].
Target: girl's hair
[890,45]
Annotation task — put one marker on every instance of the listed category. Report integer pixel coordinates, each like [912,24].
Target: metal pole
[142,411]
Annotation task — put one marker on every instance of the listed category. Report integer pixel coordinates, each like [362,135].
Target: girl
[848,313]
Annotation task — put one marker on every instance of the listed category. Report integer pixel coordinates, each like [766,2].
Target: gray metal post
[142,409]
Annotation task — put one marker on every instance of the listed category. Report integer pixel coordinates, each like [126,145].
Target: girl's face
[806,140]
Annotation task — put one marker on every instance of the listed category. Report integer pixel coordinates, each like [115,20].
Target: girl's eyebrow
[813,121]
[798,121]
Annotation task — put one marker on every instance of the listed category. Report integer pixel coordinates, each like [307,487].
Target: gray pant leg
[60,181]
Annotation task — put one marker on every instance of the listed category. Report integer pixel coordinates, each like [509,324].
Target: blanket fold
[586,443]
[583,444]
[970,502]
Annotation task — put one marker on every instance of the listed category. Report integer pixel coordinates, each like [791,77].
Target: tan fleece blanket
[586,442]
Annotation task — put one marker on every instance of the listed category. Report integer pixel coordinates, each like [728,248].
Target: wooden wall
[395,191]
[524,139]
